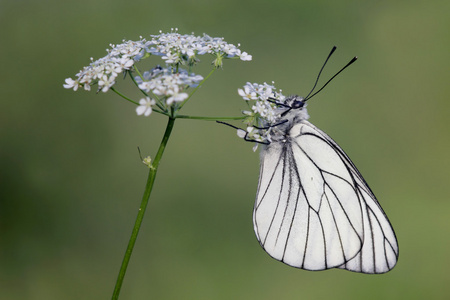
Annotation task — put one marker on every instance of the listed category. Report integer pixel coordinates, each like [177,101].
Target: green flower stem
[198,86]
[123,96]
[210,118]
[144,202]
[136,70]
[134,80]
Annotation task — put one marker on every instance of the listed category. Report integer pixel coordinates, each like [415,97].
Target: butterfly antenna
[349,63]
[320,72]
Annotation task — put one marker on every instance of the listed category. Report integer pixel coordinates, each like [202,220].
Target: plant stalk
[141,212]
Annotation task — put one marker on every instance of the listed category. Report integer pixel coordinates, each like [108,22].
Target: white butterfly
[313,208]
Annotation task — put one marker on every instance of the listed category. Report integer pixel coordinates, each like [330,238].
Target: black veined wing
[315,211]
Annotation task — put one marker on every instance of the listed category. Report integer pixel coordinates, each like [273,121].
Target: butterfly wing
[314,210]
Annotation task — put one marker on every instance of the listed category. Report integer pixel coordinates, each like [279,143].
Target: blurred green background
[71,179]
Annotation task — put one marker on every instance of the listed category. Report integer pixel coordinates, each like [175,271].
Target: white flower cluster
[264,112]
[167,86]
[173,47]
[105,70]
[176,48]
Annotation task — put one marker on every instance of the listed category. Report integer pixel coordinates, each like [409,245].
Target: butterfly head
[294,108]
[295,102]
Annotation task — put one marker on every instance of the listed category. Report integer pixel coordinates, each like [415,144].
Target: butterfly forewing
[314,210]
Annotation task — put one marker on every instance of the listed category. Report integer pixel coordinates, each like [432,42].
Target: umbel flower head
[165,87]
[174,49]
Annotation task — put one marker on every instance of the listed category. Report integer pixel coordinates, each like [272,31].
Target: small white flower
[260,107]
[87,87]
[241,133]
[254,133]
[71,84]
[112,68]
[245,56]
[247,93]
[145,86]
[272,114]
[105,83]
[175,96]
[126,63]
[145,106]
[264,91]
[171,58]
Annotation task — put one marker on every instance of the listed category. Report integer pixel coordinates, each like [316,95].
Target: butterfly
[313,208]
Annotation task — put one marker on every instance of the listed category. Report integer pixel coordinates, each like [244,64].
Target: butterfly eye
[298,104]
